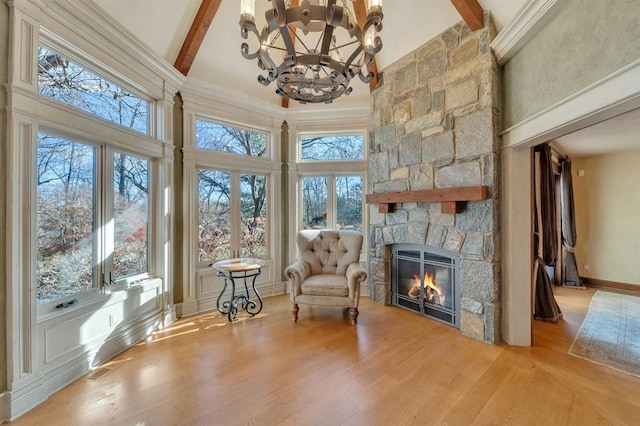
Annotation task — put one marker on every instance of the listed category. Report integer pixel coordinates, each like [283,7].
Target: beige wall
[607,200]
[587,41]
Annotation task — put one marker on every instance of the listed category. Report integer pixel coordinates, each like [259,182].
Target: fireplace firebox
[426,280]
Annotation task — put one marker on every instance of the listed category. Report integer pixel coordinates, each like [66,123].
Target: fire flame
[432,293]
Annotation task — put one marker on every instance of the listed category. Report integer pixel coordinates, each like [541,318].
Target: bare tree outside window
[314,202]
[66,175]
[349,202]
[343,147]
[218,137]
[214,221]
[253,196]
[130,215]
[72,84]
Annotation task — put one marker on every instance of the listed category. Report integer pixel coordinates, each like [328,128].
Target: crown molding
[322,117]
[221,102]
[533,16]
[229,105]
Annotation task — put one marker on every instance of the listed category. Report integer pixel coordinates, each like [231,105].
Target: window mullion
[105,202]
[236,224]
[331,202]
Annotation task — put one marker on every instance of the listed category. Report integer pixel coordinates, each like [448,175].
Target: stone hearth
[434,124]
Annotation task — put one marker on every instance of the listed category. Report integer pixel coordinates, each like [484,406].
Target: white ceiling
[618,134]
[163,25]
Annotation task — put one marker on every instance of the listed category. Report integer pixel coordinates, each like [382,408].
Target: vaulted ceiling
[163,25]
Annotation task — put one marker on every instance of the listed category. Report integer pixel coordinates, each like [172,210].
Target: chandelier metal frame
[319,73]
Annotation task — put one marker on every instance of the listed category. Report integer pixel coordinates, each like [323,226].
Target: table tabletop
[239,264]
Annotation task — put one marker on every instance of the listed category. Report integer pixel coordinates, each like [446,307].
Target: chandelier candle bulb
[375,4]
[248,7]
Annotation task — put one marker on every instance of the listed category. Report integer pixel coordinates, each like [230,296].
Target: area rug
[610,333]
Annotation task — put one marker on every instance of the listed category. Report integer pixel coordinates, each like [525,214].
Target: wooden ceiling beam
[196,34]
[360,8]
[471,12]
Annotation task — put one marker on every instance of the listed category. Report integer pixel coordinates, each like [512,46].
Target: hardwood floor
[393,368]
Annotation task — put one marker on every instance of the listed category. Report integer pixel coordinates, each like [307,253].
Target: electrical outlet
[586,267]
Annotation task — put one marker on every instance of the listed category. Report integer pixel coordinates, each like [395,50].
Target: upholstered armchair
[327,271]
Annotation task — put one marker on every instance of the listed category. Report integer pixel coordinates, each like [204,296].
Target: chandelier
[322,46]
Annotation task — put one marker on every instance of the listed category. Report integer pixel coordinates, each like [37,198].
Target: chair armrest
[296,274]
[355,275]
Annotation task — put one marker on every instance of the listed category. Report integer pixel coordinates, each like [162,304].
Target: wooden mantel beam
[361,15]
[471,12]
[451,198]
[196,34]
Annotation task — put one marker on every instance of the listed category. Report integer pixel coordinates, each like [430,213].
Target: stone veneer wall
[434,124]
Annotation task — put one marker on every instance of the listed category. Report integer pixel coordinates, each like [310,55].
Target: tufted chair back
[329,251]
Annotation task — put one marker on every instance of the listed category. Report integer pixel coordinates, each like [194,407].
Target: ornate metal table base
[231,270]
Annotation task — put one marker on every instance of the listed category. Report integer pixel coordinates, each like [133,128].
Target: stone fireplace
[426,280]
[434,125]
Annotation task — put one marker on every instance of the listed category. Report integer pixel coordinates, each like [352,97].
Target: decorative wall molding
[530,19]
[229,105]
[85,24]
[615,94]
[322,118]
[232,106]
[27,397]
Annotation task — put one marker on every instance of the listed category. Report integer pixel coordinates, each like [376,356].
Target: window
[349,202]
[66,219]
[218,137]
[72,214]
[65,81]
[222,234]
[340,147]
[332,202]
[314,202]
[214,220]
[253,214]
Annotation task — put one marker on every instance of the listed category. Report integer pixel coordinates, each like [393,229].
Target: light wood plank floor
[393,368]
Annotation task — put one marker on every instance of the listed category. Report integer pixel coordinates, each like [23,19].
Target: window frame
[315,168]
[332,200]
[306,135]
[239,126]
[235,210]
[81,58]
[103,225]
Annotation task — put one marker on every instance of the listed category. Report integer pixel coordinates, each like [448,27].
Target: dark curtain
[570,277]
[545,233]
[548,207]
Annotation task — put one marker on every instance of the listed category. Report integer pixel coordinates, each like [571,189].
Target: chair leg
[294,311]
[353,315]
